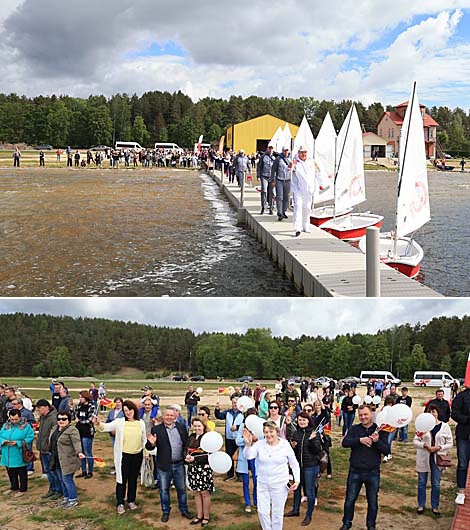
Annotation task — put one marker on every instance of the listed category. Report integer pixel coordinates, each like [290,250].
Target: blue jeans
[463,458]
[192,412]
[267,189]
[348,419]
[246,484]
[176,473]
[308,478]
[391,436]
[52,477]
[371,481]
[435,485]
[403,434]
[87,446]
[69,489]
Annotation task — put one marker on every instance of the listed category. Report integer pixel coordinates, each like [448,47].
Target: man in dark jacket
[263,173]
[442,405]
[170,439]
[461,414]
[281,176]
[47,422]
[367,445]
[191,399]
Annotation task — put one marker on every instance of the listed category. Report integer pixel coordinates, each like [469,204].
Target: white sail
[413,194]
[350,184]
[277,139]
[287,137]
[325,157]
[304,138]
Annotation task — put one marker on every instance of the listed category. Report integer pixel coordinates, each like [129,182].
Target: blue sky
[369,51]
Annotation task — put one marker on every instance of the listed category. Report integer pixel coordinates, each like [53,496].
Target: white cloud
[299,47]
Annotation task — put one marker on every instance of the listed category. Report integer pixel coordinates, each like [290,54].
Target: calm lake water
[126,233]
[147,233]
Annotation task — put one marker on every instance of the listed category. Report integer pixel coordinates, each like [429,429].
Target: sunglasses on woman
[274,408]
[62,419]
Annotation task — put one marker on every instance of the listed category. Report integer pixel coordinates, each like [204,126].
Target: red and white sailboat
[325,157]
[397,249]
[349,183]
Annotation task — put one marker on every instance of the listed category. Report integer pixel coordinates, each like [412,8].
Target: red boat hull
[317,221]
[354,233]
[407,270]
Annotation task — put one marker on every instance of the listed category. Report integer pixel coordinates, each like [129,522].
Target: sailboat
[325,157]
[413,211]
[277,140]
[304,137]
[349,183]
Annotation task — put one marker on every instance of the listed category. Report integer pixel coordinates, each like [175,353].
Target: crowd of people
[288,453]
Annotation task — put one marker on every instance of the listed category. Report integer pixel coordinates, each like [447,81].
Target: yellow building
[253,135]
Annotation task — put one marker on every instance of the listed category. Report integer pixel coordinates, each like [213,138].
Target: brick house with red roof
[389,127]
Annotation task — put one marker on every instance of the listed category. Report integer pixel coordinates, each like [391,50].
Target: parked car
[197,378]
[43,147]
[351,379]
[246,378]
[100,148]
[323,380]
[296,378]
[180,377]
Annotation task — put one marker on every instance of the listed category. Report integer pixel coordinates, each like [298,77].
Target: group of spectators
[289,455]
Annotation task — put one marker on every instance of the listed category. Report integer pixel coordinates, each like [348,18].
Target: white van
[128,145]
[432,378]
[366,375]
[168,146]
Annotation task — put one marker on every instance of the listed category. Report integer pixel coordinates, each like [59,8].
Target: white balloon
[244,403]
[424,422]
[368,400]
[199,390]
[376,400]
[356,400]
[211,442]
[400,415]
[220,462]
[382,417]
[255,425]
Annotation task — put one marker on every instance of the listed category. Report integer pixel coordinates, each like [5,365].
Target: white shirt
[272,461]
[305,177]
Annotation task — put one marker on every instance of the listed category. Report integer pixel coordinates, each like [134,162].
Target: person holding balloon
[433,437]
[273,455]
[367,443]
[244,466]
[231,429]
[200,479]
[348,406]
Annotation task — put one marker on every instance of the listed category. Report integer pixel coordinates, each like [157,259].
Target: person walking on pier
[242,166]
[264,175]
[280,172]
[305,178]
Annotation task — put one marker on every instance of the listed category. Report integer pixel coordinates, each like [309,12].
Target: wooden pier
[318,263]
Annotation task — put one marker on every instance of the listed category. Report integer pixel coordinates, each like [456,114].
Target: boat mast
[400,168]
[340,158]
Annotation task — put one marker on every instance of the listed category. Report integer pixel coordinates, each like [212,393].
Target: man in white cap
[305,179]
[242,166]
[281,175]
[264,175]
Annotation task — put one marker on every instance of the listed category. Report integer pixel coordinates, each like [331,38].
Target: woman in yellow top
[129,451]
[204,413]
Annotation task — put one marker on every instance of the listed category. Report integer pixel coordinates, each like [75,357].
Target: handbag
[28,454]
[323,460]
[148,478]
[443,460]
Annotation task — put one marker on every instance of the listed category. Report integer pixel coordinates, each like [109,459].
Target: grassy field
[96,497]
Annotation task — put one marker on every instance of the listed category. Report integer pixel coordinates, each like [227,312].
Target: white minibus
[366,375]
[432,378]
[168,146]
[129,145]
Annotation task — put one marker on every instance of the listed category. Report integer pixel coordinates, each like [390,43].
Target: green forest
[162,116]
[43,345]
